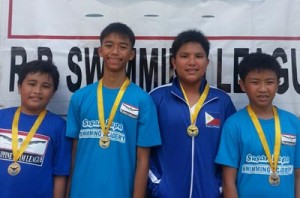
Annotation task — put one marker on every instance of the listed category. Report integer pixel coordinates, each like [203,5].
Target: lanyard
[122,90]
[17,153]
[273,163]
[199,103]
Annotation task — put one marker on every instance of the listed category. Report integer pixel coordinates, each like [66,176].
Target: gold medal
[104,142]
[192,130]
[14,169]
[274,179]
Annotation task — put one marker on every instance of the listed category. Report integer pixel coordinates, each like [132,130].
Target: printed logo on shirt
[259,164]
[96,124]
[129,110]
[92,129]
[212,120]
[34,153]
[287,139]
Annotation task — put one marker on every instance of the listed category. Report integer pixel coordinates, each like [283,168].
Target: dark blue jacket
[182,166]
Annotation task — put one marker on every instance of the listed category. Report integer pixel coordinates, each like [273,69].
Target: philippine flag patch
[212,120]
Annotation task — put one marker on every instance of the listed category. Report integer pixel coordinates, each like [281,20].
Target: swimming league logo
[34,153]
[212,120]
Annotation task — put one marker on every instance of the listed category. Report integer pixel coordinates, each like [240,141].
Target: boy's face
[36,91]
[116,50]
[260,87]
[190,62]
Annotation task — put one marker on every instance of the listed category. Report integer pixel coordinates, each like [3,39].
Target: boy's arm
[229,182]
[297,183]
[59,186]
[74,147]
[141,173]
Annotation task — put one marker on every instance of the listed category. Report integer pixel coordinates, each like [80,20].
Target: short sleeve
[73,119]
[62,152]
[229,153]
[148,129]
[297,152]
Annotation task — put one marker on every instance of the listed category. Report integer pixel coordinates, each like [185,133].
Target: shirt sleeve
[297,152]
[229,153]
[62,152]
[73,118]
[148,129]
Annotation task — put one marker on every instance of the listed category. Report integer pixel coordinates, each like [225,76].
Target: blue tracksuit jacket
[182,166]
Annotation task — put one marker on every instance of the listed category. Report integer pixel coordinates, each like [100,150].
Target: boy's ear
[19,89]
[99,51]
[53,93]
[173,61]
[207,62]
[242,85]
[132,54]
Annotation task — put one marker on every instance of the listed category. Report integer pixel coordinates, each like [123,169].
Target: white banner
[67,31]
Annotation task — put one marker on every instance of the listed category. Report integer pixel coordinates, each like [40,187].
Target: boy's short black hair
[118,28]
[190,36]
[39,66]
[260,62]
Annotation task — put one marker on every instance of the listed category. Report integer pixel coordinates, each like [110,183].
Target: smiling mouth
[191,71]
[35,99]
[114,60]
[263,98]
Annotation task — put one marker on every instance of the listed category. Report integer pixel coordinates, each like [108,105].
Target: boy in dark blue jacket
[191,115]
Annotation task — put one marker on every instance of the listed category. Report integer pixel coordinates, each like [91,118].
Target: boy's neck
[190,87]
[31,112]
[192,92]
[263,112]
[113,80]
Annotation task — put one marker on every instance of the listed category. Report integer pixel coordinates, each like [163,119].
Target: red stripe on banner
[9,18]
[59,37]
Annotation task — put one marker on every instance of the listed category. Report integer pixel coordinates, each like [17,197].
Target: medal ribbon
[17,153]
[199,103]
[104,128]
[273,163]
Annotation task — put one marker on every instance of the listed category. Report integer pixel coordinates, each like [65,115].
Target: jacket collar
[175,88]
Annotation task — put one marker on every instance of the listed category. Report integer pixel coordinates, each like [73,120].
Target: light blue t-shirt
[241,148]
[109,172]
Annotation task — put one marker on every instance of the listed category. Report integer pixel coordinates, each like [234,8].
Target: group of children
[184,139]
